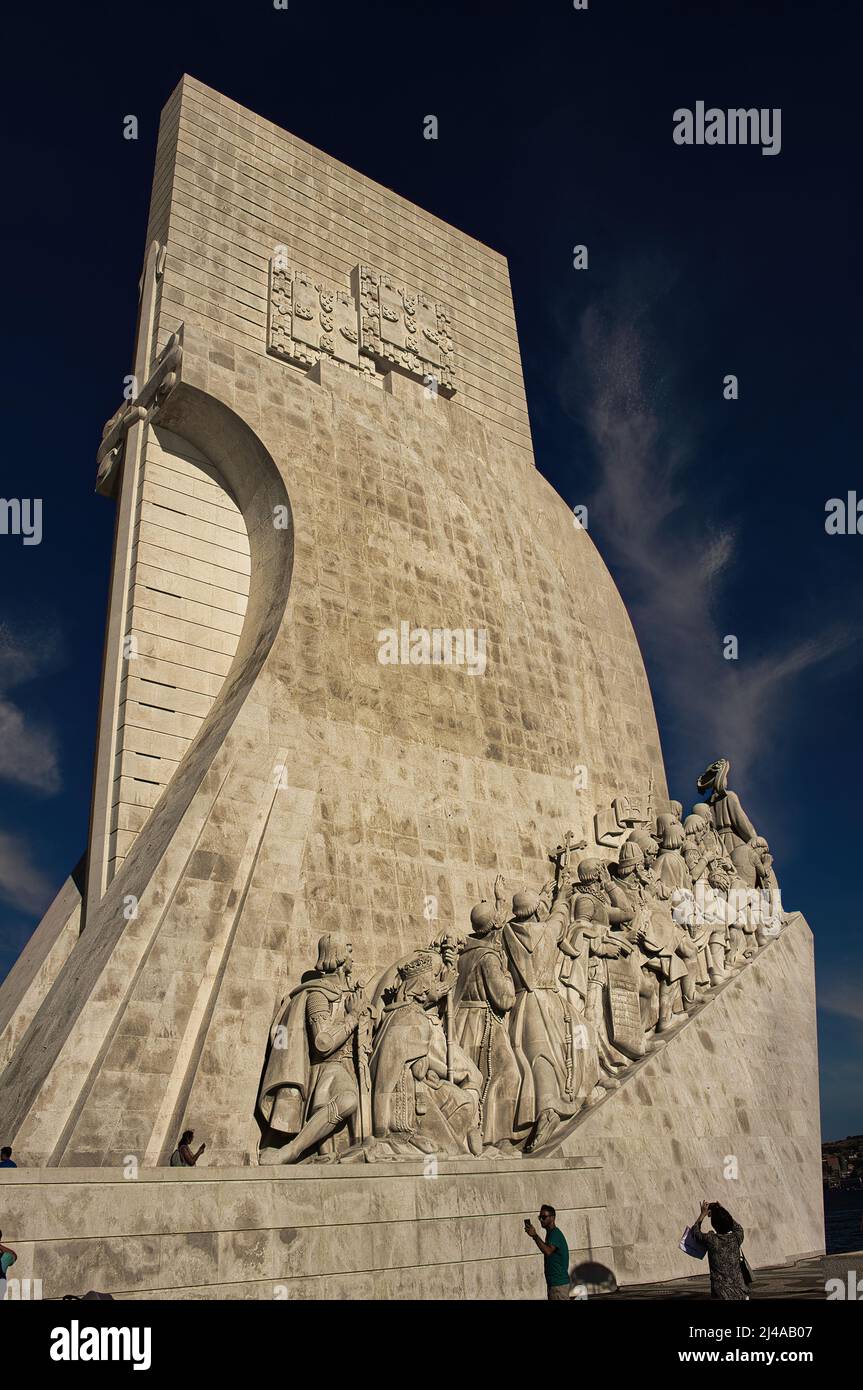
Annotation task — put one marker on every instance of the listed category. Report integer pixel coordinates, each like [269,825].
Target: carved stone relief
[402,328]
[309,319]
[488,1044]
[377,326]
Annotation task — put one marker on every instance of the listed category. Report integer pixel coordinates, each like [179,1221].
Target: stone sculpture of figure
[704,908]
[713,846]
[483,997]
[694,943]
[310,1092]
[627,885]
[730,821]
[750,863]
[753,864]
[696,851]
[646,843]
[554,1066]
[424,1098]
[653,929]
[618,1040]
[726,908]
[665,819]
[671,866]
[443,950]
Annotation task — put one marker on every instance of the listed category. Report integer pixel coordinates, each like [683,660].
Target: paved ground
[804,1280]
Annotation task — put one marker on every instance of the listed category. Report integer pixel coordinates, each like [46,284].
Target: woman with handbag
[729,1272]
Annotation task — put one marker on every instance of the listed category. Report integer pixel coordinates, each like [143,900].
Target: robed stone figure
[483,997]
[546,1036]
[425,1091]
[311,1088]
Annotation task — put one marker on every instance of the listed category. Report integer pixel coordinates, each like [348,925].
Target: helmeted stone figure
[646,842]
[310,1091]
[483,997]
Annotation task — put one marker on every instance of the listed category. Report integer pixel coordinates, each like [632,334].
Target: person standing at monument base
[184,1156]
[7,1259]
[555,1253]
[724,1252]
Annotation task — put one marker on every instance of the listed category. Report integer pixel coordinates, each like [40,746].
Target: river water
[843,1219]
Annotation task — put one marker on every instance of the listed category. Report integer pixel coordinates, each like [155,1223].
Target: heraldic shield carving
[377,326]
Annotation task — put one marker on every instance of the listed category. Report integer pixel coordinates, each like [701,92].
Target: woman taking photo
[724,1254]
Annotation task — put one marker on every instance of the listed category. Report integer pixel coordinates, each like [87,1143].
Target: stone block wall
[188,587]
[373,1231]
[230,187]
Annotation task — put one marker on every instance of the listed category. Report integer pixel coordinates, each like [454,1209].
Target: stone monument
[361,667]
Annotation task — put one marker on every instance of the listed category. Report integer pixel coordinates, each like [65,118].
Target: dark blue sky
[555,128]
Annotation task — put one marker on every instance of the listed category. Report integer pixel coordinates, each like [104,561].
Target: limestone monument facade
[383,891]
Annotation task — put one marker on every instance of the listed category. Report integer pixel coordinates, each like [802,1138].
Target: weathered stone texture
[383,1231]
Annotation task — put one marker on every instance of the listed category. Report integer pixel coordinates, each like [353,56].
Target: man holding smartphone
[555,1253]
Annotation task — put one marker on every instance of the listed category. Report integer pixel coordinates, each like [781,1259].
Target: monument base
[377,1231]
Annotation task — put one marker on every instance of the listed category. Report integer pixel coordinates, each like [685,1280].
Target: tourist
[183,1157]
[555,1252]
[7,1258]
[724,1254]
[6,1157]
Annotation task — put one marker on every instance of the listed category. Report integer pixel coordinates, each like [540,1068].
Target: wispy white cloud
[843,997]
[28,749]
[22,885]
[655,534]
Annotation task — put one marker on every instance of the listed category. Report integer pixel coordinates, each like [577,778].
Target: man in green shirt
[555,1253]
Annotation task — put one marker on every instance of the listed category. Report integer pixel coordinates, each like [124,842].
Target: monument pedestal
[376,1231]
